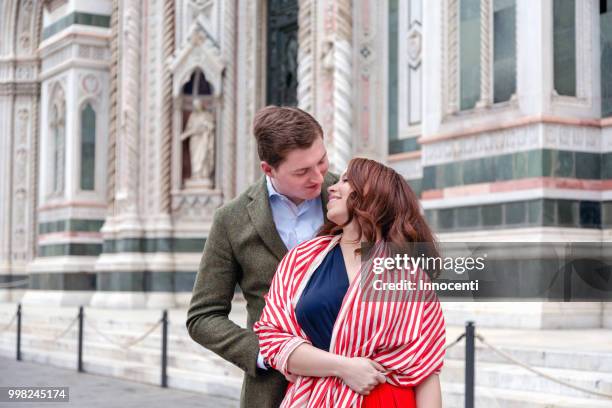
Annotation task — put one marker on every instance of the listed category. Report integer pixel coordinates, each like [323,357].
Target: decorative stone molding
[89,84]
[336,68]
[584,60]
[56,103]
[575,138]
[253,88]
[151,131]
[450,57]
[415,46]
[482,145]
[26,71]
[451,92]
[199,52]
[128,148]
[227,124]
[208,12]
[196,206]
[410,169]
[93,52]
[486,52]
[25,31]
[203,9]
[56,58]
[113,109]
[167,108]
[307,51]
[202,52]
[19,93]
[23,89]
[22,186]
[523,138]
[409,69]
[52,5]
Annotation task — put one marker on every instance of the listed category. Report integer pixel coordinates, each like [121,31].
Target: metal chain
[540,373]
[9,323]
[62,334]
[127,344]
[457,340]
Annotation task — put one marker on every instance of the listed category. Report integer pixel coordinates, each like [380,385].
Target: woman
[322,327]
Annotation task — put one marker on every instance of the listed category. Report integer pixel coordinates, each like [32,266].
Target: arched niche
[197,88]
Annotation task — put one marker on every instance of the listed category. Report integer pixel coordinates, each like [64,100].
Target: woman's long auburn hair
[382,198]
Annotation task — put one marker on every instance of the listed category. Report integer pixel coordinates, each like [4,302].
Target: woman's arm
[309,361]
[360,374]
[428,393]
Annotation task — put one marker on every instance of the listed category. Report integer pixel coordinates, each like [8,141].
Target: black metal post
[164,353]
[19,332]
[80,356]
[470,354]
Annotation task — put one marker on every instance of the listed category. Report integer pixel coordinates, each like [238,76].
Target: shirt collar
[271,190]
[273,193]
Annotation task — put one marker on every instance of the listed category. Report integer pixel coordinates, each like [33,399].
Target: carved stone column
[486,54]
[334,89]
[20,24]
[71,156]
[120,267]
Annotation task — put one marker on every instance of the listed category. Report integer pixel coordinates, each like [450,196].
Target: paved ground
[95,391]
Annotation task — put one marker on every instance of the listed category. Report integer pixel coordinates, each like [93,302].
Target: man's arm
[207,318]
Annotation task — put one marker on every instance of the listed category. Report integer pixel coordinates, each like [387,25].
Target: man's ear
[266,168]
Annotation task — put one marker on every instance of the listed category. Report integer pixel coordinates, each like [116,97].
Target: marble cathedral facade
[124,124]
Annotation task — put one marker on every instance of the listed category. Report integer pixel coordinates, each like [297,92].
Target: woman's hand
[361,374]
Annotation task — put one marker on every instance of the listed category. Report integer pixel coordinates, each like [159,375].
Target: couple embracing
[292,242]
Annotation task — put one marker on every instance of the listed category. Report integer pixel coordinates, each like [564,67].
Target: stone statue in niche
[200,130]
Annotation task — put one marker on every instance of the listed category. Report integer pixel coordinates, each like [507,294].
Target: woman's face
[337,211]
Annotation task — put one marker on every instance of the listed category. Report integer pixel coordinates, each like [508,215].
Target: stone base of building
[119,300]
[56,297]
[530,315]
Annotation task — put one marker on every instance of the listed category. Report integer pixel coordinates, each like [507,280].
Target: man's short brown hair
[280,129]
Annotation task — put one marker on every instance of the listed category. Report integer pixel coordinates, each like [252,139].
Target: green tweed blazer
[243,248]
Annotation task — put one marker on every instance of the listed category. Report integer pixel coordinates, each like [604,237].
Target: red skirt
[389,396]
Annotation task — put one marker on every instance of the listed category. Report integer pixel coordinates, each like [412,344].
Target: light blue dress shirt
[294,223]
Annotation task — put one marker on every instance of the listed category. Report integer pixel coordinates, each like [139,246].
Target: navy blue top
[319,304]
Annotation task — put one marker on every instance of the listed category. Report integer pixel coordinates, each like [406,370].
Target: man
[250,235]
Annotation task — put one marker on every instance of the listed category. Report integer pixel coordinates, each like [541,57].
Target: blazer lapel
[261,217]
[261,214]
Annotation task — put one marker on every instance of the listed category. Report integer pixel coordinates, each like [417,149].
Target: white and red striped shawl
[405,333]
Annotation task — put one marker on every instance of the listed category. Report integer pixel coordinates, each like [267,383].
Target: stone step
[540,357]
[205,361]
[60,322]
[179,339]
[518,378]
[190,376]
[176,342]
[540,351]
[50,323]
[212,384]
[582,357]
[492,397]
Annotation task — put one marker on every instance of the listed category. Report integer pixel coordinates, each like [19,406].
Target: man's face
[300,175]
